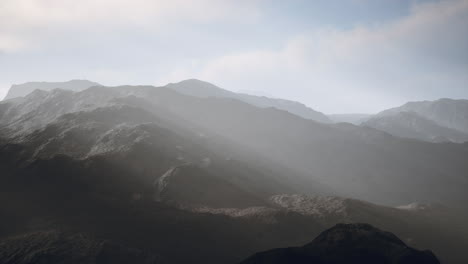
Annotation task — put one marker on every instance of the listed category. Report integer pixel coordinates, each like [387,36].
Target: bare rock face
[348,243]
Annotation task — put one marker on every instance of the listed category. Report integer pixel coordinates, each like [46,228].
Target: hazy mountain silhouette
[434,121]
[19,90]
[412,125]
[203,89]
[355,119]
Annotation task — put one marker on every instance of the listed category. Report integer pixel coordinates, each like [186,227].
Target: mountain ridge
[413,125]
[445,112]
[203,89]
[20,90]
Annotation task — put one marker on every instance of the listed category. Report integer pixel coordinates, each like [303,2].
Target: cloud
[335,70]
[10,44]
[24,22]
[235,45]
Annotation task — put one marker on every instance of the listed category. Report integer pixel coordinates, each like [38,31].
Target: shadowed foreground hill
[348,243]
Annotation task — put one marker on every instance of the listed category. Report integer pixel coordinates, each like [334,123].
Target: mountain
[448,113]
[19,90]
[203,89]
[186,178]
[355,119]
[356,162]
[348,243]
[316,156]
[413,125]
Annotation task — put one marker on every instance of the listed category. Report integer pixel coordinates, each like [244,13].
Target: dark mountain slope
[150,149]
[112,200]
[351,243]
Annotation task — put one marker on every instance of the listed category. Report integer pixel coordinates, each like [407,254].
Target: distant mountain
[412,125]
[347,244]
[450,113]
[434,121]
[203,89]
[355,119]
[19,90]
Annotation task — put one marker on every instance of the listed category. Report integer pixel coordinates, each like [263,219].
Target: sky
[336,56]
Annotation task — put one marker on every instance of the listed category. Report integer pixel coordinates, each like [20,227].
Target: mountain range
[194,173]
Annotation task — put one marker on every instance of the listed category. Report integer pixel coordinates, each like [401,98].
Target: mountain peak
[198,88]
[195,81]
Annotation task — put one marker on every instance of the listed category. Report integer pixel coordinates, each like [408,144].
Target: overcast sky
[342,56]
